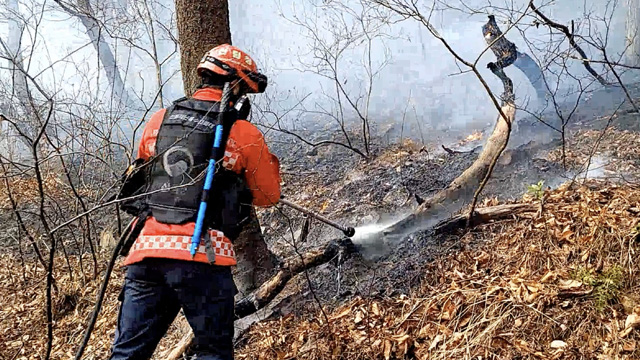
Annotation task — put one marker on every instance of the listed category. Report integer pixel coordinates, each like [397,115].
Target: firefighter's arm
[133,179]
[261,167]
[147,146]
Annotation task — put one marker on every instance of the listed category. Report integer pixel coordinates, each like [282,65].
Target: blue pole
[216,154]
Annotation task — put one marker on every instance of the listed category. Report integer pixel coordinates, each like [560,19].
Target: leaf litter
[527,298]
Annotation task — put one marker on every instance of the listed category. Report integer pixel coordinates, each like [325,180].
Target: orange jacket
[246,153]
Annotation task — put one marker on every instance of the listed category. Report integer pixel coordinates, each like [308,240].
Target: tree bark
[202,25]
[13,48]
[633,33]
[255,261]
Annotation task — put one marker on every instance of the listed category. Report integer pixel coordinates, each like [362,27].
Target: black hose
[103,290]
[347,230]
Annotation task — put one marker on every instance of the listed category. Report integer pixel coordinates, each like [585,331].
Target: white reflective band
[150,242]
[229,160]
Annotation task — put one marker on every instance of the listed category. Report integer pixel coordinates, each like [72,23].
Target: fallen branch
[509,99]
[271,288]
[452,152]
[461,187]
[450,199]
[483,216]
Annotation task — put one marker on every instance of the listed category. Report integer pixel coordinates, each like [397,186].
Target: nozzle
[349,232]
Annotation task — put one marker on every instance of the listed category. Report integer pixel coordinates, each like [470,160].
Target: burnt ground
[345,187]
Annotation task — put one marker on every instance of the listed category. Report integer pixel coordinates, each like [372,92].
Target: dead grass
[559,284]
[23,323]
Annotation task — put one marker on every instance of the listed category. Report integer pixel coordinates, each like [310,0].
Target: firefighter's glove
[133,183]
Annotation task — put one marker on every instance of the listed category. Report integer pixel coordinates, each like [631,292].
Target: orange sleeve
[261,167]
[147,146]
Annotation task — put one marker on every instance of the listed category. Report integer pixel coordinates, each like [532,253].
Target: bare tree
[83,10]
[20,94]
[633,33]
[346,31]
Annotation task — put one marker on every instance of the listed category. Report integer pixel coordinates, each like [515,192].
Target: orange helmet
[229,61]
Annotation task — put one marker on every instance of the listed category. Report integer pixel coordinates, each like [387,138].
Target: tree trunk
[255,261]
[202,25]
[26,124]
[633,33]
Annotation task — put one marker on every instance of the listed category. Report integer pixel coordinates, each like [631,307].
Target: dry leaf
[629,346]
[483,258]
[522,345]
[570,284]
[455,340]
[375,309]
[387,349]
[400,339]
[448,310]
[628,303]
[359,317]
[500,343]
[549,276]
[585,256]
[465,320]
[633,321]
[435,342]
[343,313]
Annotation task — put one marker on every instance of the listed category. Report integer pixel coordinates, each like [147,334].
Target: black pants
[153,293]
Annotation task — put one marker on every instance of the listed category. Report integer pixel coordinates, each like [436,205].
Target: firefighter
[161,275]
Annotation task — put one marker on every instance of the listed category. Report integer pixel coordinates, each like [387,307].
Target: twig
[624,88]
[565,30]
[455,151]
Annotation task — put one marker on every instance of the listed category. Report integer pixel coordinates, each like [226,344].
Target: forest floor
[560,283]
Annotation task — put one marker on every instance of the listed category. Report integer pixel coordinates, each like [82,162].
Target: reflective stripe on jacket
[246,153]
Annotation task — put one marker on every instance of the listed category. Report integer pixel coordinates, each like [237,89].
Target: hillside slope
[560,283]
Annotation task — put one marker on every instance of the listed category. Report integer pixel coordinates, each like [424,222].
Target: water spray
[347,230]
